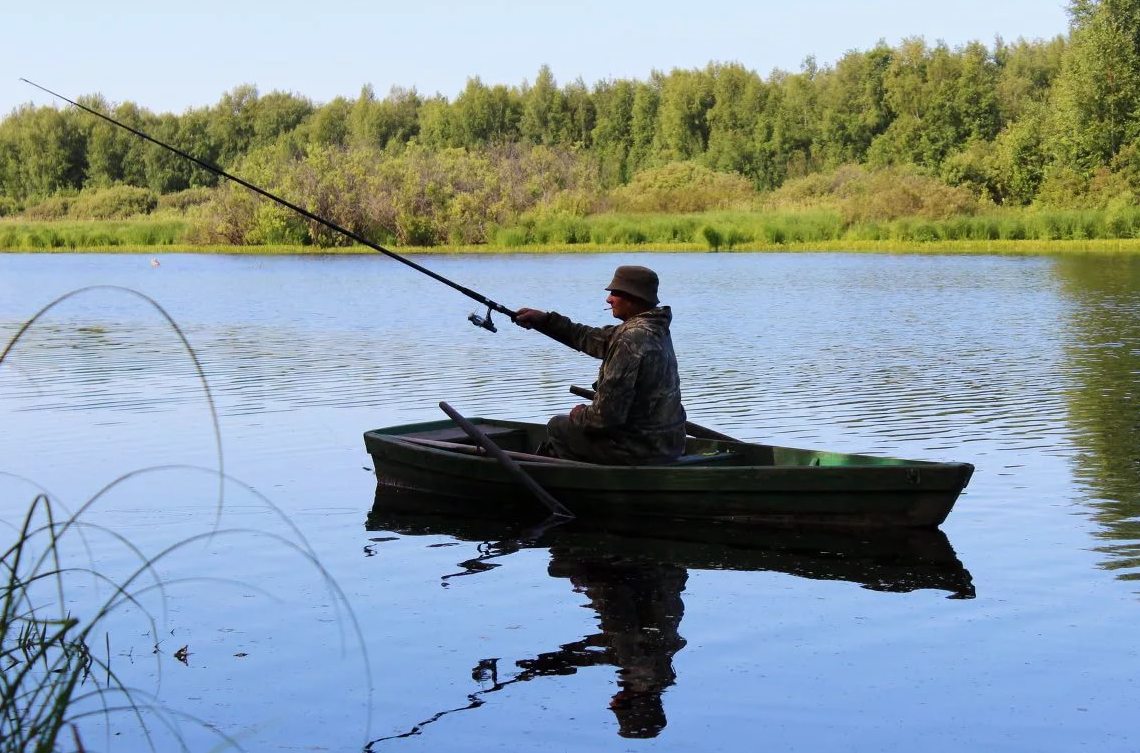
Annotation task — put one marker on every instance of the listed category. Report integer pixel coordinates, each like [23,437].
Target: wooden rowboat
[716,480]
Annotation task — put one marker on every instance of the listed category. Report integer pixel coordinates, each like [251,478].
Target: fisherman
[636,417]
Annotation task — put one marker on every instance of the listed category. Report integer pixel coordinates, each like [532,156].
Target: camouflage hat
[639,282]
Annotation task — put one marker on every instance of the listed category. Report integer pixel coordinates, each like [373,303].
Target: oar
[693,430]
[510,465]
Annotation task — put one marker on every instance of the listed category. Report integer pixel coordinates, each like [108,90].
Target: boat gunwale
[894,463]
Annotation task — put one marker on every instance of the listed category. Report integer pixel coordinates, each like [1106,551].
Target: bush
[512,237]
[414,195]
[52,208]
[683,187]
[275,225]
[114,203]
[414,230]
[862,195]
[1063,188]
[181,201]
[1121,217]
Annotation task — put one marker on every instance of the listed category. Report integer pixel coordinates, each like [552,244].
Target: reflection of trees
[1104,353]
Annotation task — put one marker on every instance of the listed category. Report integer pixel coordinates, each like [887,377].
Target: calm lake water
[1013,629]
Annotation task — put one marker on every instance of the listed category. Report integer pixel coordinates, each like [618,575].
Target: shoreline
[965,247]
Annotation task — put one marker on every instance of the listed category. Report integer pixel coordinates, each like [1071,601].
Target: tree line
[1047,122]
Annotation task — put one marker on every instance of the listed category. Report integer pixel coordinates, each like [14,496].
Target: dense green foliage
[1050,124]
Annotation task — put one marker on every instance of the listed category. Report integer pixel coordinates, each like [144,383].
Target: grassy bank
[140,233]
[1006,232]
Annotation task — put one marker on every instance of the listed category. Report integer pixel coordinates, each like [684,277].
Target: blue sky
[130,50]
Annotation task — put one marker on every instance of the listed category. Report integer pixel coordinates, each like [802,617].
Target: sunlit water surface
[309,625]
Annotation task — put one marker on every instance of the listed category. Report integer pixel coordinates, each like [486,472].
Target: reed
[717,230]
[76,235]
[772,230]
[45,656]
[1051,230]
[55,630]
[50,664]
[56,647]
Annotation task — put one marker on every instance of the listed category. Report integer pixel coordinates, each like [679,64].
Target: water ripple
[926,357]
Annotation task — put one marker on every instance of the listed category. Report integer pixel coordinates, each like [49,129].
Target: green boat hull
[716,481]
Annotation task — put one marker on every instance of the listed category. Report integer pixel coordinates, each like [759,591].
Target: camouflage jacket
[638,402]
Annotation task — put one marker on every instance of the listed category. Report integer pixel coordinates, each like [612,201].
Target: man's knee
[567,440]
[554,442]
[559,426]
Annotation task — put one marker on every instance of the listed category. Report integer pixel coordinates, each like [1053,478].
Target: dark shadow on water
[639,610]
[634,580]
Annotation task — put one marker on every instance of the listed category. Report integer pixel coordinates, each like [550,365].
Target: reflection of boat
[715,480]
[635,582]
[891,559]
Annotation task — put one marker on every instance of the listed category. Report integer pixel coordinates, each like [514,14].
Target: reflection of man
[636,415]
[639,611]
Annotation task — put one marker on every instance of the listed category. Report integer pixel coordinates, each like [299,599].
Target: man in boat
[636,417]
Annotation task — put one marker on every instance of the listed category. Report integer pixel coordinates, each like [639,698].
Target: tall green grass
[72,235]
[713,230]
[758,230]
[51,662]
[45,656]
[725,230]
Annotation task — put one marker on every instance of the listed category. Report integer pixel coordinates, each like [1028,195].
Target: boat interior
[520,441]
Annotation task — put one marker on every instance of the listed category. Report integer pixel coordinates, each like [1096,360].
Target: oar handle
[693,430]
[510,465]
[582,392]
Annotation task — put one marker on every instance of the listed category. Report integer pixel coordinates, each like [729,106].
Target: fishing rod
[478,321]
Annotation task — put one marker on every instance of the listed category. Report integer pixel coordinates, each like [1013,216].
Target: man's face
[621,307]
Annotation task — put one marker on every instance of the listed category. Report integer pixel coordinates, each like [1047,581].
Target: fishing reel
[481,321]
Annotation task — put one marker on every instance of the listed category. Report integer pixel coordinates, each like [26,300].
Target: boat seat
[457,435]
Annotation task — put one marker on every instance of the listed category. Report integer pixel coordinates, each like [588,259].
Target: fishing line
[478,321]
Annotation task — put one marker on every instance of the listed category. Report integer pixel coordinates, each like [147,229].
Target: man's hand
[577,411]
[528,318]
